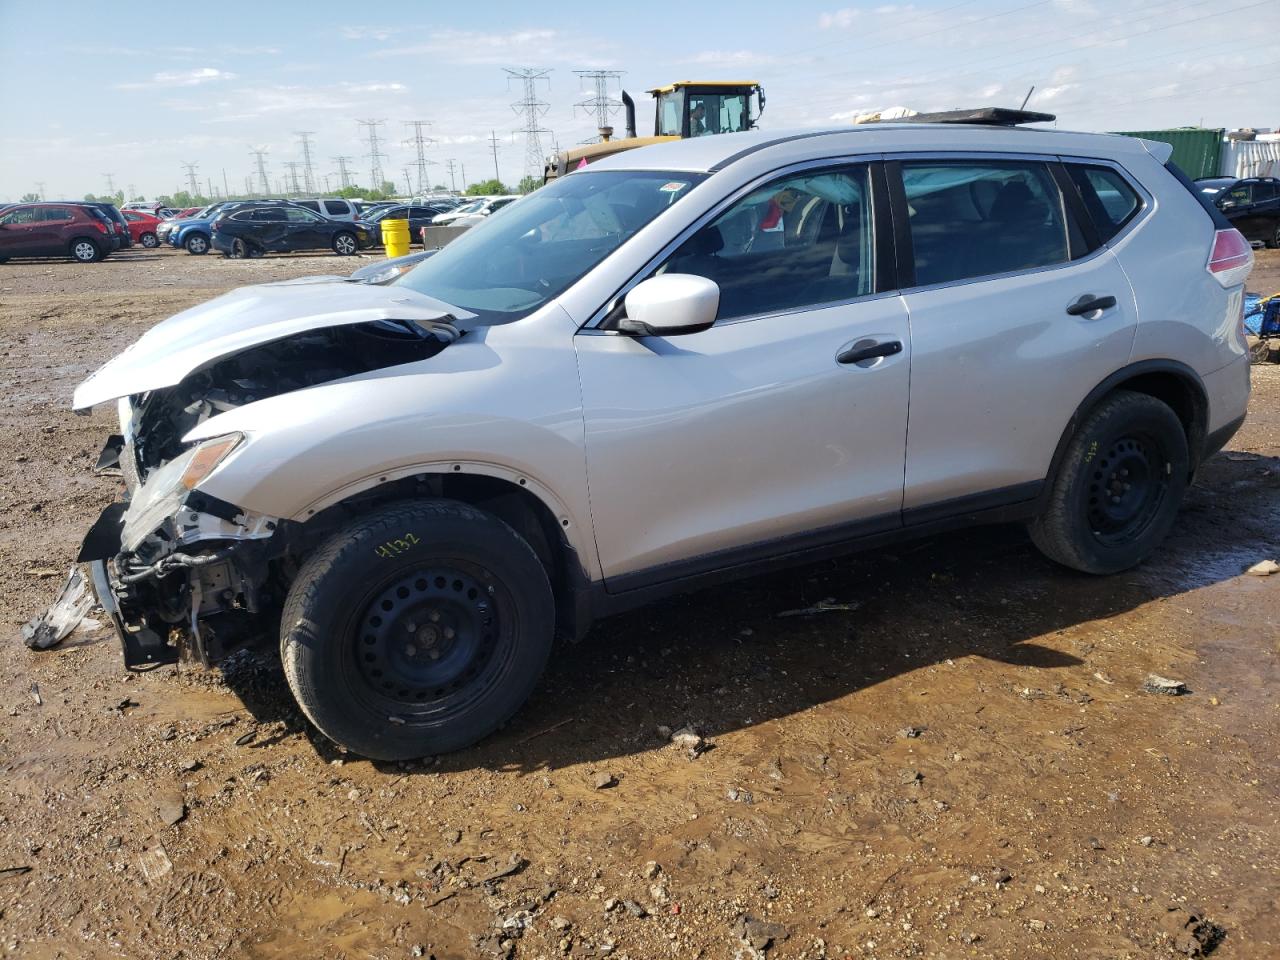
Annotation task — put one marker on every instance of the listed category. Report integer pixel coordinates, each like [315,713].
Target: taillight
[101,226]
[1231,259]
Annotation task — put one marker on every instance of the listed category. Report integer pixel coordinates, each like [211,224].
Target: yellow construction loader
[687,108]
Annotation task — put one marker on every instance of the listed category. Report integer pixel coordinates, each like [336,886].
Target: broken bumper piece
[55,624]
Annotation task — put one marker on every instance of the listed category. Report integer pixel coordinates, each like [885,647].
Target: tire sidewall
[1152,419]
[196,244]
[339,587]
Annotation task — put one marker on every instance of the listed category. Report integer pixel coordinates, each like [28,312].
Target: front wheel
[417,630]
[344,244]
[84,250]
[197,244]
[1118,488]
[149,240]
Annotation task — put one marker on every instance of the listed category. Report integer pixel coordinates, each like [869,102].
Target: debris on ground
[1163,685]
[829,605]
[759,934]
[1263,568]
[155,863]
[910,733]
[171,808]
[604,780]
[692,742]
[74,602]
[1193,935]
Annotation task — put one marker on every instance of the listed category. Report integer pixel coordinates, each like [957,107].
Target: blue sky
[136,89]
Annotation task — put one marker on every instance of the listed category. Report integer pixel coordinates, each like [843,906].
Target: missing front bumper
[143,648]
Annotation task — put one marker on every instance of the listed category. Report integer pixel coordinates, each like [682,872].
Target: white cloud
[375,87]
[181,78]
[369,33]
[485,48]
[234,51]
[732,58]
[841,19]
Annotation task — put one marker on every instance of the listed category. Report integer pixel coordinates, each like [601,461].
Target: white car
[472,213]
[685,363]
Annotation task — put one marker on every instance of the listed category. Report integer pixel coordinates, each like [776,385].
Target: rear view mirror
[670,304]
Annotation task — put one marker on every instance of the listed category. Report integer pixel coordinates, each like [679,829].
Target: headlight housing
[208,455]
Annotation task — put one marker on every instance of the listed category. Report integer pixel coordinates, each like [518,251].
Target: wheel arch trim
[1184,375]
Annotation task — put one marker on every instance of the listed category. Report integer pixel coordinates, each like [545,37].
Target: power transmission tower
[344,175]
[263,183]
[226,190]
[248,185]
[308,179]
[327,188]
[132,193]
[420,142]
[408,182]
[209,183]
[531,109]
[453,184]
[111,183]
[601,106]
[192,183]
[493,145]
[375,155]
[293,166]
[40,188]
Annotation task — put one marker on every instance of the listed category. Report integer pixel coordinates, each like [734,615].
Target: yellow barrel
[395,237]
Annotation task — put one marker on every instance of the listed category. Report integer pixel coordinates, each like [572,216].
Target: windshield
[506,267]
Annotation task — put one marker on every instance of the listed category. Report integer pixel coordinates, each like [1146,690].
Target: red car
[83,233]
[142,227]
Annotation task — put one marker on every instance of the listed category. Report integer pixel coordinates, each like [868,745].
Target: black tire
[1259,349]
[149,240]
[239,249]
[345,244]
[84,250]
[197,244]
[417,630]
[1274,242]
[1117,490]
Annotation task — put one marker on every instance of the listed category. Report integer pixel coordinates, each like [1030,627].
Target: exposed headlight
[207,457]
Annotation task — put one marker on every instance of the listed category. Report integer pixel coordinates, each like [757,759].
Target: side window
[1265,190]
[1107,196]
[294,215]
[336,207]
[309,204]
[268,215]
[20,215]
[974,219]
[797,242]
[55,214]
[1240,195]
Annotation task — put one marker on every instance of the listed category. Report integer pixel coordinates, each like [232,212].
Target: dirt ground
[960,762]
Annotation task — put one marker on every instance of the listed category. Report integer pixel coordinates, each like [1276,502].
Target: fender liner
[1186,375]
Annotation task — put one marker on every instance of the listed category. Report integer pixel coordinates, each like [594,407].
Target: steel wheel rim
[471,634]
[1126,487]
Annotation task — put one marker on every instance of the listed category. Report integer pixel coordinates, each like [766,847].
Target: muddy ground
[962,763]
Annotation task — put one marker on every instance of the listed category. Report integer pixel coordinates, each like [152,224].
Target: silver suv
[687,362]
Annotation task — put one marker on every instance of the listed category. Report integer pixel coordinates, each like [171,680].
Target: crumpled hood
[245,318]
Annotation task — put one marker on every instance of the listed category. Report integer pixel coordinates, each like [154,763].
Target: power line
[263,183]
[308,178]
[192,184]
[601,106]
[420,142]
[453,184]
[531,109]
[375,155]
[40,189]
[344,175]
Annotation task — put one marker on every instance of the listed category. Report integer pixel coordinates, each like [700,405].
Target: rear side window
[334,207]
[53,214]
[1265,190]
[309,204]
[1107,196]
[974,219]
[797,242]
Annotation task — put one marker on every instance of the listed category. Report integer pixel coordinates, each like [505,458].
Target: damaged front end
[182,573]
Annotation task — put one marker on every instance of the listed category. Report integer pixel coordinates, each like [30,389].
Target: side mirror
[670,304]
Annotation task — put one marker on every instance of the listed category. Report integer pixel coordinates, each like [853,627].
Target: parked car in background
[282,228]
[82,232]
[147,206]
[418,215]
[333,208]
[1251,205]
[188,211]
[477,209]
[195,234]
[113,213]
[143,227]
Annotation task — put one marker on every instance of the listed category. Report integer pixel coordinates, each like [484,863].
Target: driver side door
[761,435]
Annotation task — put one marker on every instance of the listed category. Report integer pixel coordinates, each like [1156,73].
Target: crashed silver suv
[691,361]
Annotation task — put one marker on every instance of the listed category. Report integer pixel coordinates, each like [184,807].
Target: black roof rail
[979,116]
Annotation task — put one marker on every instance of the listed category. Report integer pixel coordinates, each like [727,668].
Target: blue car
[195,233]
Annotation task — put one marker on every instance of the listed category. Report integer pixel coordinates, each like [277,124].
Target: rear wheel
[417,630]
[1274,242]
[149,240]
[344,244]
[85,250]
[197,244]
[1118,487]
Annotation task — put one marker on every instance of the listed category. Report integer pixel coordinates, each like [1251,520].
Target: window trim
[902,228]
[883,282]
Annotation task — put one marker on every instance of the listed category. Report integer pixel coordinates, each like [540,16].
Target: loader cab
[698,108]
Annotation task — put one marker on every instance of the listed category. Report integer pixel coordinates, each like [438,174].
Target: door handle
[1089,303]
[870,352]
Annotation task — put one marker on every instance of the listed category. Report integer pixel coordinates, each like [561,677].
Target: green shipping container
[1195,149]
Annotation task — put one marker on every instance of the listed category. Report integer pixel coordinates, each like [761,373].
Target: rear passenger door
[1017,311]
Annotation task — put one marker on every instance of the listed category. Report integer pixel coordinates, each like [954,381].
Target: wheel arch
[1173,383]
[525,505]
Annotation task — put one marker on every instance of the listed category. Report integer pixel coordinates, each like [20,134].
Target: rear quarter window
[1108,197]
[337,207]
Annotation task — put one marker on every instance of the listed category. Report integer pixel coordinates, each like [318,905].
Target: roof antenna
[1027,97]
